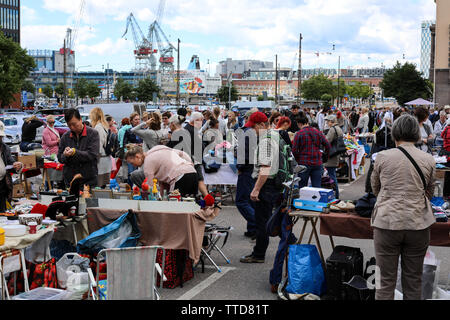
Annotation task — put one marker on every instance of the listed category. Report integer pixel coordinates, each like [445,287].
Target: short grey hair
[406,128]
[196,116]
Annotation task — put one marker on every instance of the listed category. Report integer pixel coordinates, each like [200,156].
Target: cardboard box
[19,190]
[29,161]
[317,194]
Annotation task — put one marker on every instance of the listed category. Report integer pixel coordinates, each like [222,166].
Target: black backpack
[343,264]
[112,144]
[286,164]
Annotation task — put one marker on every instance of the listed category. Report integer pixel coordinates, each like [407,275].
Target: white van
[117,110]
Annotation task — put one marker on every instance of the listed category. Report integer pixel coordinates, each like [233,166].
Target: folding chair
[131,274]
[12,261]
[214,233]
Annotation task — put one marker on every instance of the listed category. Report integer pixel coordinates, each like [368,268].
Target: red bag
[177,262]
[39,275]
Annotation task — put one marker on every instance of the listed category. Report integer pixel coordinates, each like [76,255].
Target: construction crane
[68,48]
[143,48]
[158,39]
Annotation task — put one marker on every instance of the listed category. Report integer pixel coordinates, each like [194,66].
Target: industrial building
[440,53]
[10,19]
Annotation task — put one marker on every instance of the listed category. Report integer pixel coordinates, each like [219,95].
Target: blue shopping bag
[122,233]
[305,271]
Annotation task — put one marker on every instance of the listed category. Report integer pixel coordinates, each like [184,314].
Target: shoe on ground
[274,288]
[250,234]
[251,259]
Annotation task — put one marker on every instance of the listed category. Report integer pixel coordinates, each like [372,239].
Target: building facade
[238,67]
[52,61]
[10,19]
[425,47]
[440,61]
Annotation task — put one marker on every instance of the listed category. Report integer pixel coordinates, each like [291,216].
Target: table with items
[352,226]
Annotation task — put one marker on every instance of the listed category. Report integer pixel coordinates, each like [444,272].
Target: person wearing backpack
[265,194]
[104,164]
[333,135]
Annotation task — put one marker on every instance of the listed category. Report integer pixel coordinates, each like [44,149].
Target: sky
[366,33]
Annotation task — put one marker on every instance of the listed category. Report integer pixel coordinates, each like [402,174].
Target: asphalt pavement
[239,281]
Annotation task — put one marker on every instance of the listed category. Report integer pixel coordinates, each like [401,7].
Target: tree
[123,90]
[145,90]
[81,88]
[342,89]
[315,87]
[359,90]
[15,66]
[48,91]
[405,83]
[93,91]
[223,93]
[59,89]
[28,86]
[326,98]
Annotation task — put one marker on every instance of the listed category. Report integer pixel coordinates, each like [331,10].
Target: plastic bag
[71,270]
[305,271]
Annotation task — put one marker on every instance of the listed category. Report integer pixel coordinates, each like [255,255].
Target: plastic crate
[42,293]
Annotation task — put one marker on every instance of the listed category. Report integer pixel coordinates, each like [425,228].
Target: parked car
[12,131]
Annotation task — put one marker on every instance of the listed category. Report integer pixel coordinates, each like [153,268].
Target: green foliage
[15,66]
[359,90]
[59,89]
[93,91]
[145,89]
[48,91]
[326,97]
[260,98]
[405,83]
[81,88]
[123,90]
[315,87]
[223,94]
[28,86]
[342,89]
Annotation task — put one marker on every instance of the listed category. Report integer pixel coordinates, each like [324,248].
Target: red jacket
[446,136]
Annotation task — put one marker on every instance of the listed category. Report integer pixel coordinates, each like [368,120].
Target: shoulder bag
[338,146]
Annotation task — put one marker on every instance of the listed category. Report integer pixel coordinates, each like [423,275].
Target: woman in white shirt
[104,163]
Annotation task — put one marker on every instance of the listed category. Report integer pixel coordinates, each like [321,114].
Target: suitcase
[177,263]
[341,266]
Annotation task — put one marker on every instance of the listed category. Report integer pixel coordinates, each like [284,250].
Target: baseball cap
[2,129]
[255,118]
[330,118]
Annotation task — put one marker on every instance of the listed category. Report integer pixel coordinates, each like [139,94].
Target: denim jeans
[315,172]
[287,238]
[269,197]
[245,184]
[131,168]
[332,174]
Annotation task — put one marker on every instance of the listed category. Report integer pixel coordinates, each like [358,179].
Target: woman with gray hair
[403,180]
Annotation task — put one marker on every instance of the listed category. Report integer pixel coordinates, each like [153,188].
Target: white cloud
[381,29]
